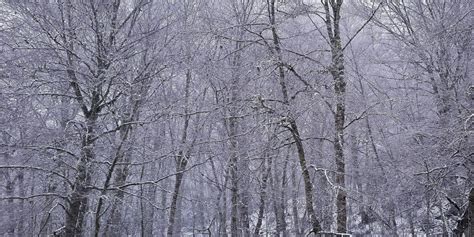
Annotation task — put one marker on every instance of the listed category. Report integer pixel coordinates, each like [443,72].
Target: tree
[235,118]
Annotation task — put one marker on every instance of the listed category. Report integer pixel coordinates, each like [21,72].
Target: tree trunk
[294,205]
[337,72]
[174,199]
[221,202]
[181,159]
[244,195]
[308,186]
[466,224]
[282,225]
[267,164]
[234,189]
[162,216]
[277,199]
[234,145]
[223,212]
[78,199]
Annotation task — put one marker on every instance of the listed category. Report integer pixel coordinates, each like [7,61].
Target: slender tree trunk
[308,186]
[337,72]
[162,217]
[267,164]
[221,201]
[234,189]
[244,195]
[233,127]
[163,193]
[174,199]
[223,222]
[142,206]
[466,224]
[276,190]
[282,227]
[149,211]
[114,221]
[201,209]
[428,227]
[294,204]
[181,160]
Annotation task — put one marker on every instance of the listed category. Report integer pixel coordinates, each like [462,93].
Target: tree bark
[267,164]
[294,205]
[234,179]
[181,159]
[233,126]
[337,72]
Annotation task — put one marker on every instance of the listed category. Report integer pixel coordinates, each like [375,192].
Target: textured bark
[337,72]
[234,179]
[78,200]
[233,127]
[294,206]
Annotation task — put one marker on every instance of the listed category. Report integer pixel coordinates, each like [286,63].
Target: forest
[236,118]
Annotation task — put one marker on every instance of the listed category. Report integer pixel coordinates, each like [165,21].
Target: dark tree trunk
[294,205]
[174,199]
[181,160]
[263,192]
[337,72]
[78,200]
[466,224]
[292,127]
